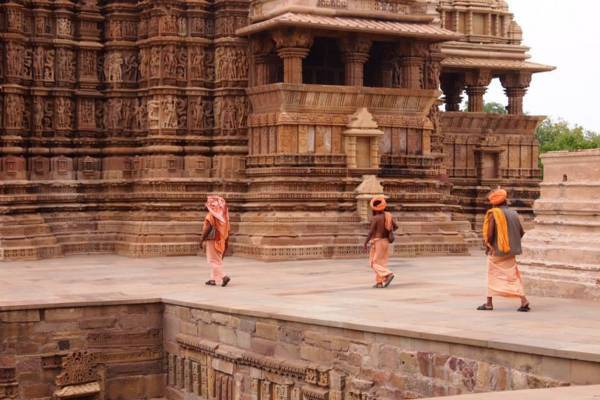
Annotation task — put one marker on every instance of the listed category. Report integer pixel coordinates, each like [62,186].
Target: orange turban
[498,197]
[378,203]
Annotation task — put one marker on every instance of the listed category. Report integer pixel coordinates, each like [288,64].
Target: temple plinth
[562,253]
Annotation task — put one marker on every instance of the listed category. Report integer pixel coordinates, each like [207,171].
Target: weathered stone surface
[561,255]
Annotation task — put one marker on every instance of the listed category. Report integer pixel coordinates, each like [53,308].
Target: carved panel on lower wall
[80,378]
[9,388]
[207,370]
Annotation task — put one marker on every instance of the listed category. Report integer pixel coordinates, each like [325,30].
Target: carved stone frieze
[220,372]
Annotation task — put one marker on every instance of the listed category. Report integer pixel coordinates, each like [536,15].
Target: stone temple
[119,117]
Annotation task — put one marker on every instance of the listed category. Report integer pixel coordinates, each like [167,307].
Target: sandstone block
[264,347]
[63,314]
[267,331]
[20,316]
[96,323]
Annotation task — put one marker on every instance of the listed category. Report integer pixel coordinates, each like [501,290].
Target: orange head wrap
[498,197]
[378,203]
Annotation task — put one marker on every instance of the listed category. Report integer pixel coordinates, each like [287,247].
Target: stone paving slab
[433,298]
[570,393]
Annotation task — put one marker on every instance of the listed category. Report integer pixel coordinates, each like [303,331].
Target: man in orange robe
[382,224]
[215,238]
[502,233]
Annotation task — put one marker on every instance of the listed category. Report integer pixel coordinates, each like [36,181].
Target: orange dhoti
[215,260]
[504,277]
[378,258]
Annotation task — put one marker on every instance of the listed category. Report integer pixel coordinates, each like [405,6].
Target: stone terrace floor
[432,298]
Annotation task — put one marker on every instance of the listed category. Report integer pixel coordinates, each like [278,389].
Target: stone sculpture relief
[196,62]
[113,67]
[231,64]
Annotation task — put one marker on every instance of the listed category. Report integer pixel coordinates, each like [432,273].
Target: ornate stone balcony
[281,97]
[468,122]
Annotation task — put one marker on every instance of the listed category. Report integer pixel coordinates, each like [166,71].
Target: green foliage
[492,108]
[558,135]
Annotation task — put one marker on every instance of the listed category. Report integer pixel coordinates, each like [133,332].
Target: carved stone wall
[162,350]
[118,119]
[109,141]
[229,356]
[95,352]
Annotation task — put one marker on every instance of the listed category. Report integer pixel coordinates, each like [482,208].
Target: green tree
[492,108]
[559,135]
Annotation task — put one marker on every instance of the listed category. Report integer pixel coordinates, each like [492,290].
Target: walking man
[502,233]
[381,234]
[215,238]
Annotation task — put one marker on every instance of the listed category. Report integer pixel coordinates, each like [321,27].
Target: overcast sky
[565,34]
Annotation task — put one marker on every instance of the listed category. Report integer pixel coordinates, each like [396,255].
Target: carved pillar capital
[292,38]
[355,53]
[477,83]
[515,87]
[292,46]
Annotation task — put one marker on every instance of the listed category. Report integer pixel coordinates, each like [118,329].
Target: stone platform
[571,393]
[421,337]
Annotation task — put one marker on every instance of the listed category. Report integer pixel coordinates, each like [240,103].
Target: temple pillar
[389,62]
[263,51]
[292,47]
[412,64]
[355,52]
[453,85]
[412,72]
[477,83]
[515,86]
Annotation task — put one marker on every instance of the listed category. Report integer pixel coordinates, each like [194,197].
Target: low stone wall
[110,352]
[232,357]
[182,352]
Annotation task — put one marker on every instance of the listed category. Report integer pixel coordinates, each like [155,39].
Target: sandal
[388,280]
[378,286]
[226,280]
[485,307]
[211,283]
[524,308]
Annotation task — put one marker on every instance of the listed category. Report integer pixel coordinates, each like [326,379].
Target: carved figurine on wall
[169,61]
[131,68]
[49,66]
[215,238]
[181,109]
[197,113]
[114,67]
[197,63]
